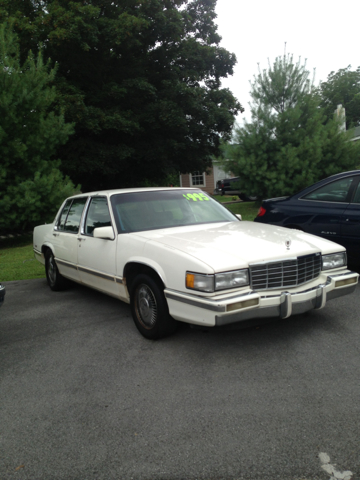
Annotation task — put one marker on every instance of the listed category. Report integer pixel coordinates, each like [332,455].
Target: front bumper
[238,307]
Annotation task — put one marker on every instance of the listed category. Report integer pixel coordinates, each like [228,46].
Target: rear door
[323,208]
[350,227]
[66,237]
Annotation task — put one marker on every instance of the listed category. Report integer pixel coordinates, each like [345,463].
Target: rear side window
[71,215]
[357,195]
[63,216]
[336,191]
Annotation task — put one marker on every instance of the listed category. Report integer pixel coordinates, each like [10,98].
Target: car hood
[234,245]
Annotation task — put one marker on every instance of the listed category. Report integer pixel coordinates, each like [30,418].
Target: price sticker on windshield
[196,197]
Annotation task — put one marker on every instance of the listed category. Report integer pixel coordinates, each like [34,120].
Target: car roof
[131,190]
[351,172]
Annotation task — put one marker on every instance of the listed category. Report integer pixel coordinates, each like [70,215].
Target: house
[205,181]
[356,136]
[340,114]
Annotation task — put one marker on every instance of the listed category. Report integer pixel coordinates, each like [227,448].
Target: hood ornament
[287,244]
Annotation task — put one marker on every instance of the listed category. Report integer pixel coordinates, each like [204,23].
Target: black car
[329,208]
[230,186]
[2,294]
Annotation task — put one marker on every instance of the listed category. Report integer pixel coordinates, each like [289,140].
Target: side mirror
[106,233]
[239,216]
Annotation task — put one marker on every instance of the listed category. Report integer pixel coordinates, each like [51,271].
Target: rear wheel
[247,198]
[149,308]
[54,279]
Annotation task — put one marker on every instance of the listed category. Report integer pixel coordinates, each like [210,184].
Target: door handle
[81,239]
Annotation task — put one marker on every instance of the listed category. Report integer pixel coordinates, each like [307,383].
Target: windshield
[152,210]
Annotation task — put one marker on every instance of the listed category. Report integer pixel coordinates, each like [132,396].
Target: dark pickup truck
[230,186]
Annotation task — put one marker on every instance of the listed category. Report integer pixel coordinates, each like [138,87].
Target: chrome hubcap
[146,306]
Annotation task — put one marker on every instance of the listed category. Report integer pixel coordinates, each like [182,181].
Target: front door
[350,227]
[96,256]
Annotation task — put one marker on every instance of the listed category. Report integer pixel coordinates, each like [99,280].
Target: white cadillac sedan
[176,254]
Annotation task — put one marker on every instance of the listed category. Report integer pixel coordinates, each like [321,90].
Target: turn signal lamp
[190,280]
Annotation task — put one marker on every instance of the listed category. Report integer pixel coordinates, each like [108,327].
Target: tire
[149,308]
[54,279]
[245,198]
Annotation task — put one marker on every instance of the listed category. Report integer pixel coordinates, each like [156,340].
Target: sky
[324,32]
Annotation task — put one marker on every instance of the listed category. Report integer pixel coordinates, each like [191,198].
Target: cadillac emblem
[288,243]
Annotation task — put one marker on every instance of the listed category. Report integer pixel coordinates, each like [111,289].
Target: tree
[288,145]
[342,88]
[141,80]
[31,184]
[280,87]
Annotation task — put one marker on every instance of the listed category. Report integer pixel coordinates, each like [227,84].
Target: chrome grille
[286,273]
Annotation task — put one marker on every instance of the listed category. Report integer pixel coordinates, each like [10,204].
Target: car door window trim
[349,196]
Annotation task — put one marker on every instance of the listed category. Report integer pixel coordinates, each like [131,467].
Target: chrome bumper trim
[285,305]
[208,305]
[238,307]
[274,311]
[338,292]
[320,300]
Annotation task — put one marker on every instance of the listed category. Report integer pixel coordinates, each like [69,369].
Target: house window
[197,179]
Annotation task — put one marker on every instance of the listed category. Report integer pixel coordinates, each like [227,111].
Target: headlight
[238,278]
[334,260]
[219,281]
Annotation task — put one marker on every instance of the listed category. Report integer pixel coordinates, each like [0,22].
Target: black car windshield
[152,210]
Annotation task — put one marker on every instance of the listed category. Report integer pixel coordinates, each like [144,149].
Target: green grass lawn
[225,198]
[17,261]
[248,210]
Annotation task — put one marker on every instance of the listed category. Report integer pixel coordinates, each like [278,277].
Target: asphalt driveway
[84,396]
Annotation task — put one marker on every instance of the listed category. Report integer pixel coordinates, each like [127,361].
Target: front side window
[70,217]
[135,212]
[336,191]
[98,215]
[197,179]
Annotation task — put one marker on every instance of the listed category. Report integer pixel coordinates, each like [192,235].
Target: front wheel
[54,279]
[149,308]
